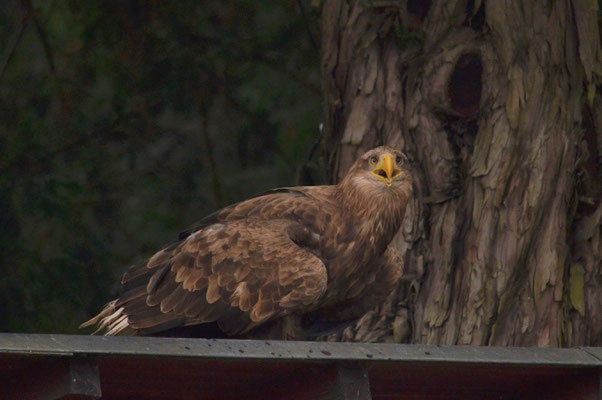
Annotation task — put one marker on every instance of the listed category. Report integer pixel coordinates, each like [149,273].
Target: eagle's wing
[239,273]
[241,266]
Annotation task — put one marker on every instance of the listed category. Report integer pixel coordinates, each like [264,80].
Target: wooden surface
[88,367]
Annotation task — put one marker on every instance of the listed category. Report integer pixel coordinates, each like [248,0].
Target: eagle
[291,263]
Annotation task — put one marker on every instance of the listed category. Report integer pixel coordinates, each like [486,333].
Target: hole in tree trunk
[465,85]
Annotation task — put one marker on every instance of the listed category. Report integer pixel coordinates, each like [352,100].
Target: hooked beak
[387,170]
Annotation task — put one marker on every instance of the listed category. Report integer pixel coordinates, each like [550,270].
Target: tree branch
[307,27]
[42,34]
[12,46]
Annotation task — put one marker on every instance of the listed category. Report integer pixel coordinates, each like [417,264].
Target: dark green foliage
[121,123]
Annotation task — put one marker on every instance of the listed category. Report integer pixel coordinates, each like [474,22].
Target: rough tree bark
[495,104]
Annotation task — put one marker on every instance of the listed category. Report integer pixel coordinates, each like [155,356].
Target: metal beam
[291,351]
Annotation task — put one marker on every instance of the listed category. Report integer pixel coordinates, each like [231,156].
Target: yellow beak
[388,165]
[386,170]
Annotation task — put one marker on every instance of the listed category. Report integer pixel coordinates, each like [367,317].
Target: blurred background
[123,122]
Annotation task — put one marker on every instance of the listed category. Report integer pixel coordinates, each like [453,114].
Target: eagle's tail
[112,320]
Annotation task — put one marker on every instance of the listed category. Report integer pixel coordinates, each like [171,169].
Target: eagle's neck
[375,214]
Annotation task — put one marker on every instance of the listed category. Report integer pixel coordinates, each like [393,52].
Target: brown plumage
[290,263]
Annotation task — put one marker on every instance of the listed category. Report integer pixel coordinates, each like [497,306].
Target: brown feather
[135,306]
[159,259]
[165,289]
[158,277]
[213,293]
[147,317]
[169,302]
[134,271]
[131,295]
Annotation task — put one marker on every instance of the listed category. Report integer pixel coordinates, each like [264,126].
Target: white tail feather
[112,320]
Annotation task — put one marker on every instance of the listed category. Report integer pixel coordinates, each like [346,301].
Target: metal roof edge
[69,345]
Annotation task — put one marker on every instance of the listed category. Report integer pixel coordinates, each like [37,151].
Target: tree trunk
[495,104]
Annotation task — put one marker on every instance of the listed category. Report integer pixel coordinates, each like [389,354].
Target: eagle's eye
[373,160]
[398,159]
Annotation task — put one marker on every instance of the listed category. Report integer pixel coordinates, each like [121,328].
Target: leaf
[577,288]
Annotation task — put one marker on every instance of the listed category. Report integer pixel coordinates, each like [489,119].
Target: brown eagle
[291,263]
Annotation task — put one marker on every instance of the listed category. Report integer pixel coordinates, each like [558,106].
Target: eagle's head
[382,171]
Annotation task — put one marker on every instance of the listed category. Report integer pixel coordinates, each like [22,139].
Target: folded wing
[239,274]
